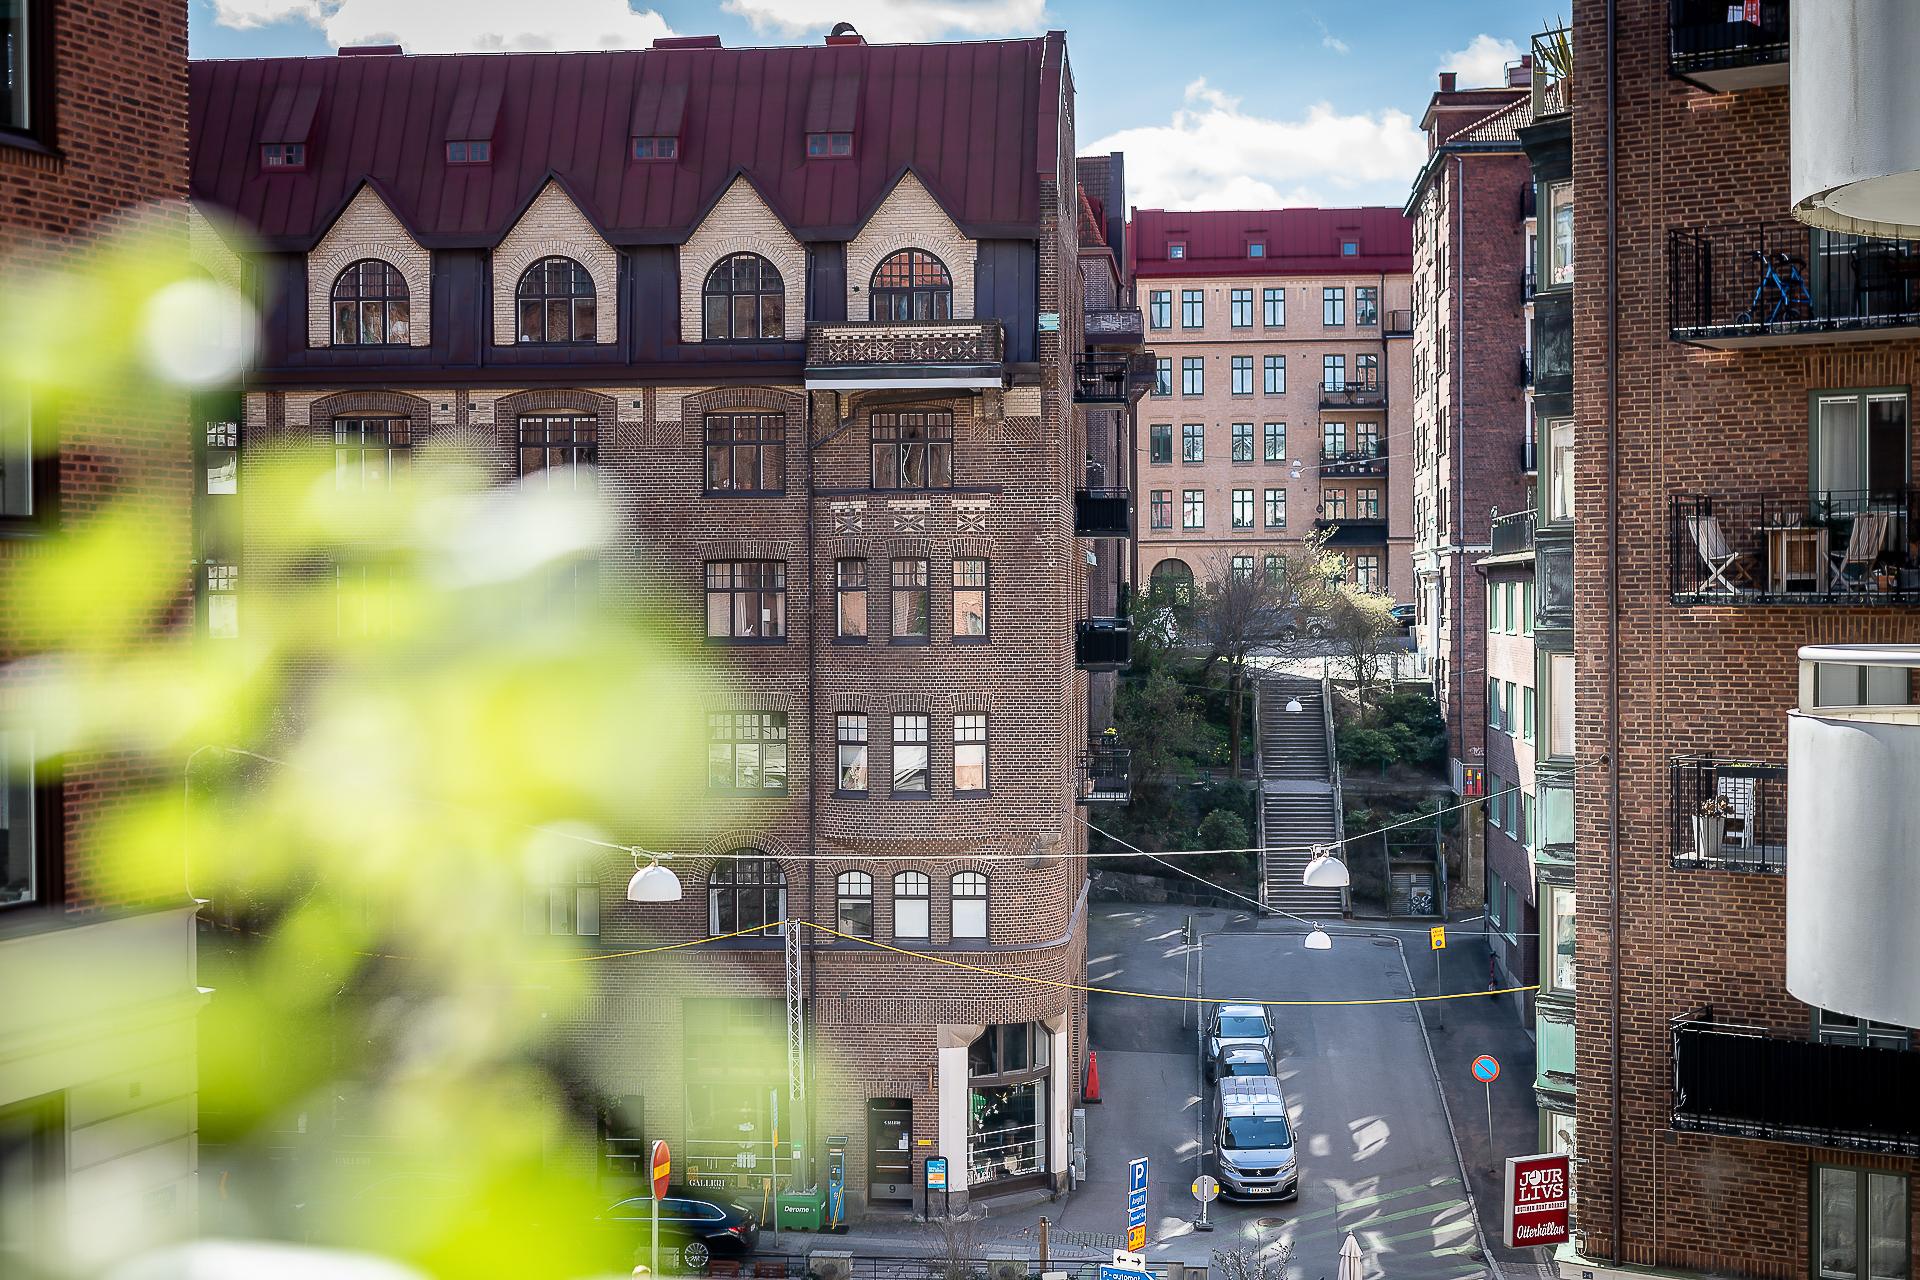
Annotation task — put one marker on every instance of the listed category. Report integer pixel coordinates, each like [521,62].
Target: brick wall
[1709,681]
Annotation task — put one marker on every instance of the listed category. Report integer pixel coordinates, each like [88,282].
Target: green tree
[1156,719]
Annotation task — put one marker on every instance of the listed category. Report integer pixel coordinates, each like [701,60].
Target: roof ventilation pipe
[844,33]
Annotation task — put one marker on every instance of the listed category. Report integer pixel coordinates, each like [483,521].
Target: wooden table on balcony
[1795,554]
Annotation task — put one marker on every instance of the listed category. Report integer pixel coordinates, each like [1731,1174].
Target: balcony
[1370,459]
[1121,327]
[1399,324]
[1353,531]
[1106,773]
[1551,352]
[920,354]
[1748,1082]
[1529,278]
[1723,56]
[1829,548]
[1853,822]
[1357,394]
[1103,644]
[1779,283]
[1102,513]
[1116,379]
[1526,367]
[1513,533]
[1728,816]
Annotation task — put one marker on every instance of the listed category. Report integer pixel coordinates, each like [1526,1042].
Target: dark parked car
[694,1226]
[1404,614]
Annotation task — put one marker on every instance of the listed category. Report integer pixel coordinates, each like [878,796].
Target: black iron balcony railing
[1754,1083]
[1099,379]
[1760,284]
[1353,531]
[1728,815]
[1552,81]
[1118,327]
[1832,547]
[1103,644]
[1353,393]
[1367,459]
[1399,324]
[1513,532]
[1526,367]
[915,342]
[1729,44]
[1529,280]
[1106,773]
[1102,513]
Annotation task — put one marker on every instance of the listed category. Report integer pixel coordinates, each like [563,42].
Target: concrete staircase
[1299,795]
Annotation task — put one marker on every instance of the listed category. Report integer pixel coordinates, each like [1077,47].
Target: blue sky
[1218,103]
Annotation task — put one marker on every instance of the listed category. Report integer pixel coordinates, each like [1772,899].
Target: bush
[1223,829]
[1403,728]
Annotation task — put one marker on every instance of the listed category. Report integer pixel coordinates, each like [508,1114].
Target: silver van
[1253,1140]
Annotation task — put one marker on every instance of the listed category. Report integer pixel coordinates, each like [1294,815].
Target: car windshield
[1253,1133]
[1246,1028]
[1248,1064]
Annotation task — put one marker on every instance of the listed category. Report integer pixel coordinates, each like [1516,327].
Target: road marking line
[1439,1206]
[1434,1232]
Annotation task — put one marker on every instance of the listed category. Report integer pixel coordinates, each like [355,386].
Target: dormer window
[1177,249]
[283,155]
[829,145]
[1349,248]
[1256,249]
[655,147]
[476,152]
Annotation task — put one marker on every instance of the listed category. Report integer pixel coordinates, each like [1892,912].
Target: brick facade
[553,224]
[1712,681]
[366,228]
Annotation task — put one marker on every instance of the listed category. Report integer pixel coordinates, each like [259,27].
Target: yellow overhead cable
[1042,982]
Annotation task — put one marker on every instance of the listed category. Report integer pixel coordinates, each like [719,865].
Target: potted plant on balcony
[1710,826]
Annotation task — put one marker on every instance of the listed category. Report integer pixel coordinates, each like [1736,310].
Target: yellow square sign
[1438,935]
[1136,1239]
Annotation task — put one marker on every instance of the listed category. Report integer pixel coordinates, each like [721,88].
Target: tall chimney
[1447,79]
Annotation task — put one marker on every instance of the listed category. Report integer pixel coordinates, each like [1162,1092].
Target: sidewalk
[1461,1030]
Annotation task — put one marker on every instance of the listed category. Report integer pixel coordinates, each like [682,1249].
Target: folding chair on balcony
[1718,558]
[1853,568]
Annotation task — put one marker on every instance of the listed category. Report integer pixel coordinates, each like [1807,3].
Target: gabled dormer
[369,281]
[555,277]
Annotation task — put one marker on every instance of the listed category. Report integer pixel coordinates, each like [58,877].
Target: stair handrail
[1260,787]
[1333,778]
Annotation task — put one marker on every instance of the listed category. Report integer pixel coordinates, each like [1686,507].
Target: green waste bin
[800,1210]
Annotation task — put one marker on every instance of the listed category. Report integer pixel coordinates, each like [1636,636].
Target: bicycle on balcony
[1781,292]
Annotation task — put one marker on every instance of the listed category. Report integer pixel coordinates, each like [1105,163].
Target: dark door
[890,1149]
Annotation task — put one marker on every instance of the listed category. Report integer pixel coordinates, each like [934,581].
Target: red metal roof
[1297,241]
[975,121]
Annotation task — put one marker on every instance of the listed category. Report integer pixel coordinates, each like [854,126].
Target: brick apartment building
[827,357]
[1472,212]
[1747,971]
[97,1081]
[1282,397]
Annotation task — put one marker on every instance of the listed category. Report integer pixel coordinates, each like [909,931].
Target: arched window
[853,893]
[912,285]
[1172,583]
[970,904]
[911,891]
[744,300]
[555,301]
[747,889]
[370,305]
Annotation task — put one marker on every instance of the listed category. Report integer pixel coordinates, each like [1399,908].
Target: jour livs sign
[1537,1200]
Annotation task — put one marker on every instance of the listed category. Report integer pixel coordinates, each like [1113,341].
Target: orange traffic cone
[1092,1093]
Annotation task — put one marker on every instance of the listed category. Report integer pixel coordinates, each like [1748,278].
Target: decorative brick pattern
[366,228]
[909,218]
[553,225]
[740,222]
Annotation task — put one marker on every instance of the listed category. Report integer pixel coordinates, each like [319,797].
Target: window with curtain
[554,302]
[743,300]
[746,889]
[850,732]
[370,305]
[853,903]
[969,753]
[911,775]
[970,904]
[912,897]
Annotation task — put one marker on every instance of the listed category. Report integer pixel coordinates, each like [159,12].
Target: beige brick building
[1283,394]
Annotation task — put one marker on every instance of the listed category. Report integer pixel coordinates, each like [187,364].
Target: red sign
[1537,1208]
[662,1166]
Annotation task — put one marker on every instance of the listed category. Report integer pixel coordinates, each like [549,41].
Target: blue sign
[1486,1068]
[1136,1207]
[1121,1273]
[936,1173]
[1137,1174]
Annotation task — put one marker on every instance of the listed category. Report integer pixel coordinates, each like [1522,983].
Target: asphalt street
[1376,1157]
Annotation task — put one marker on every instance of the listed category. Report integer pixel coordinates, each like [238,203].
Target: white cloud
[1213,155]
[895,20]
[1328,40]
[1483,62]
[459,26]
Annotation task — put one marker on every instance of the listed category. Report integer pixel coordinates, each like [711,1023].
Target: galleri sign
[1537,1209]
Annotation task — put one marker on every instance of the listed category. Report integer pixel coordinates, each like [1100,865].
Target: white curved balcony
[1856,153]
[1853,838]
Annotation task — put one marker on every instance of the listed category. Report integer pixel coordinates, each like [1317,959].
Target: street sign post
[1537,1201]
[1437,941]
[1486,1069]
[1137,1204]
[1205,1189]
[1125,1265]
[1437,937]
[662,1163]
[937,1181]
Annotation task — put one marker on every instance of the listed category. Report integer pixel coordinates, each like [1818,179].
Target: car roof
[1244,1049]
[1243,1011]
[1252,1096]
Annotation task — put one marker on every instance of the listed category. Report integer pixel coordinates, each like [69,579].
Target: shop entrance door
[890,1149]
